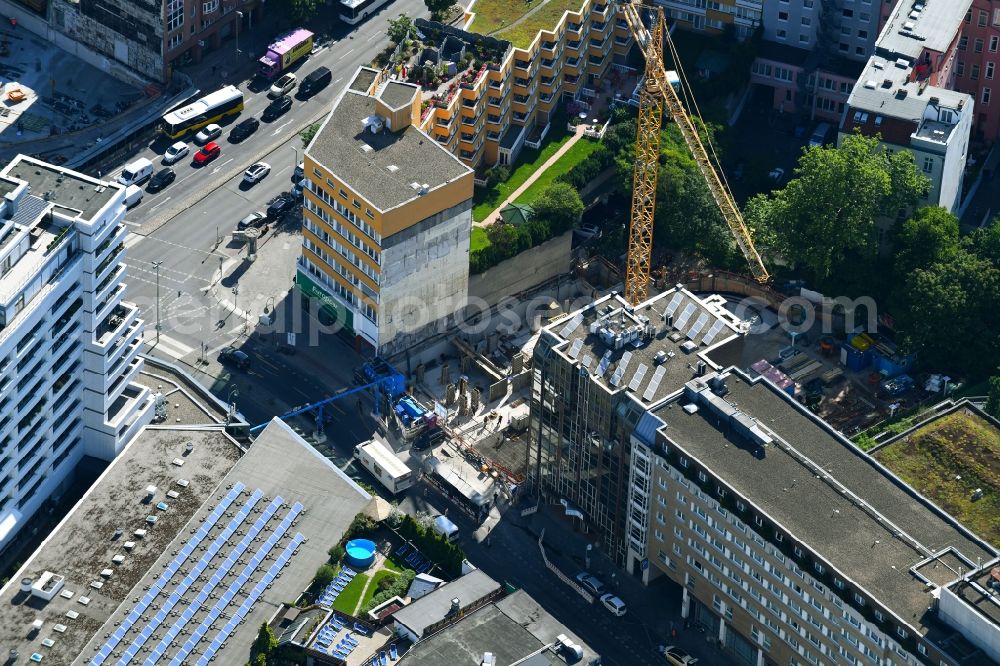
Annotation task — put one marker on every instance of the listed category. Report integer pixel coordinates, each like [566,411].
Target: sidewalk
[495,215]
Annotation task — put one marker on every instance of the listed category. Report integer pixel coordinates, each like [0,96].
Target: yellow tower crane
[656,92]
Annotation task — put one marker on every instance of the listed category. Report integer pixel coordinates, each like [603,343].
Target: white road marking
[132,240]
[338,80]
[280,127]
[160,204]
[373,37]
[216,169]
[344,55]
[170,346]
[132,224]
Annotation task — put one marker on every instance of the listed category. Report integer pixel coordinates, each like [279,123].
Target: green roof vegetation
[960,444]
[499,18]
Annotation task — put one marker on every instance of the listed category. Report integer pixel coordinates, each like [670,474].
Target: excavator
[656,94]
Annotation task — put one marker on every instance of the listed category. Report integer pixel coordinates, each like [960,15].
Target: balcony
[574,27]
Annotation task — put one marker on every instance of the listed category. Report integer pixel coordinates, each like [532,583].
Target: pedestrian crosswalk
[170,347]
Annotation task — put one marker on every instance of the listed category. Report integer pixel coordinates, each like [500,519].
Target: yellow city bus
[209,109]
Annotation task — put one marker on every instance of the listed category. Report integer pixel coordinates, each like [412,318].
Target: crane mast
[657,92]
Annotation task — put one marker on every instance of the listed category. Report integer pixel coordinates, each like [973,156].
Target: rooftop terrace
[949,459]
[827,495]
[519,21]
[649,351]
[68,189]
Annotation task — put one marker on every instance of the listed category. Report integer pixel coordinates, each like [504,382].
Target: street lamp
[156,265]
[296,150]
[239,19]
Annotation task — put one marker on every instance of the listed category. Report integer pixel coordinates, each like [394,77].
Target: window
[974,74]
[879,616]
[959,69]
[848,13]
[983,17]
[986,95]
[702,477]
[175,14]
[860,600]
[859,50]
[782,34]
[782,16]
[994,42]
[175,41]
[996,17]
[928,164]
[963,42]
[804,39]
[978,48]
[862,34]
[209,6]
[989,71]
[806,21]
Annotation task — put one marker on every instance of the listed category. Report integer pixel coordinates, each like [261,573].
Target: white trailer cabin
[377,457]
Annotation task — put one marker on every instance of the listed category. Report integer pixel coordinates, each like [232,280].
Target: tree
[438,8]
[985,242]
[324,576]
[399,27]
[302,10]
[993,399]
[308,133]
[929,237]
[560,205]
[265,644]
[826,214]
[948,314]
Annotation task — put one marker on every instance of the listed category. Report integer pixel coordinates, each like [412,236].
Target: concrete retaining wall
[524,271]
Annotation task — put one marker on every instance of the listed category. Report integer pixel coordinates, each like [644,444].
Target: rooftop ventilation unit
[392,168]
[909,25]
[903,63]
[365,148]
[870,84]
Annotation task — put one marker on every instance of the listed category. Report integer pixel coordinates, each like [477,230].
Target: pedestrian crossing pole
[156,265]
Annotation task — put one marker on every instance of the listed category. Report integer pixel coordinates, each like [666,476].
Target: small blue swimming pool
[360,553]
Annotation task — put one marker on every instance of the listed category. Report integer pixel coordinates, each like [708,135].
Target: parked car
[428,438]
[279,205]
[254,219]
[175,152]
[677,656]
[818,137]
[162,178]
[209,133]
[256,173]
[315,81]
[276,108]
[207,153]
[298,189]
[590,582]
[299,172]
[244,129]
[588,231]
[234,357]
[282,86]
[615,605]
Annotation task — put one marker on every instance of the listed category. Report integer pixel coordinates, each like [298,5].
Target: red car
[207,153]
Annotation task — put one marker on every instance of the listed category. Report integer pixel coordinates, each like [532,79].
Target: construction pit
[46,91]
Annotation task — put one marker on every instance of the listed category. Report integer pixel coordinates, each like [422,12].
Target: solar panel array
[620,370]
[220,570]
[685,315]
[637,379]
[587,360]
[575,348]
[674,303]
[568,329]
[713,332]
[698,325]
[605,362]
[654,383]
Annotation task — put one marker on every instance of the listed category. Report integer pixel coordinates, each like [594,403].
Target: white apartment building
[69,344]
[713,16]
[846,29]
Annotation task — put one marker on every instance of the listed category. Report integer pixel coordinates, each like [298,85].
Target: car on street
[276,108]
[299,172]
[234,357]
[210,133]
[175,152]
[615,605]
[161,179]
[279,205]
[244,129]
[253,220]
[282,86]
[207,153]
[298,189]
[590,582]
[256,173]
[588,231]
[677,656]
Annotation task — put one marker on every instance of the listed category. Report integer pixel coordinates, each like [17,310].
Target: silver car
[175,152]
[210,133]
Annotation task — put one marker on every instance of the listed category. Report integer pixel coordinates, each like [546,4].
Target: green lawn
[373,588]
[485,200]
[479,239]
[347,601]
[493,15]
[959,444]
[576,154]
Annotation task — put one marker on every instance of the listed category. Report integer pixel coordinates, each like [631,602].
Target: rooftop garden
[518,21]
[948,460]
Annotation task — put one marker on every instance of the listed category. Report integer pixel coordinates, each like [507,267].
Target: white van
[615,605]
[133,195]
[446,528]
[819,135]
[137,172]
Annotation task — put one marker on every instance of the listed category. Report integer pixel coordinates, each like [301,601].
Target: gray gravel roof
[362,160]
